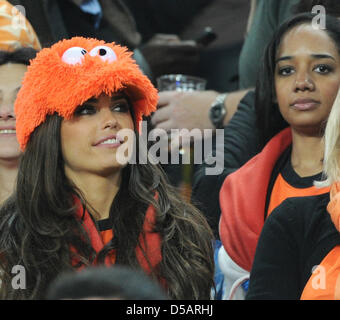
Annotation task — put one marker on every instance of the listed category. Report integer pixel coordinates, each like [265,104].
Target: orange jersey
[283,190]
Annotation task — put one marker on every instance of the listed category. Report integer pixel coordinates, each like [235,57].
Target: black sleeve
[275,272]
[166,16]
[240,144]
[295,238]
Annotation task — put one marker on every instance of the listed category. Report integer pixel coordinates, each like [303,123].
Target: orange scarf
[150,243]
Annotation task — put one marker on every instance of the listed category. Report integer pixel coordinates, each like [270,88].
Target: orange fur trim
[51,85]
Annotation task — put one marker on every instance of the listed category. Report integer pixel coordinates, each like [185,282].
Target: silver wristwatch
[217,111]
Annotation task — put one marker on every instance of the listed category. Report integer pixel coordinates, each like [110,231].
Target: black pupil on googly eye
[102,52]
[83,52]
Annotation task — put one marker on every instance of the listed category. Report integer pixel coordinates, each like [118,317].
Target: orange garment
[324,284]
[106,235]
[15,30]
[334,205]
[242,212]
[150,243]
[283,190]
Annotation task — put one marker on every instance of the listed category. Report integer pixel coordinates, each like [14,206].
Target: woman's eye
[285,71]
[85,110]
[323,69]
[120,107]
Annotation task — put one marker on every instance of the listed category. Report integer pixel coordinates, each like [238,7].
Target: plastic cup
[180,82]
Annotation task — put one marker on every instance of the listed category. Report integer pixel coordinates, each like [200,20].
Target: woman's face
[90,139]
[11,75]
[307,78]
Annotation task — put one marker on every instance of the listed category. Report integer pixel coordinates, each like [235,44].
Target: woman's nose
[109,119]
[304,82]
[6,111]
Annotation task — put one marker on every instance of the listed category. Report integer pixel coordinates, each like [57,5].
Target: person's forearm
[231,103]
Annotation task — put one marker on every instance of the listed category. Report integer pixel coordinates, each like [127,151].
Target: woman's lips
[108,142]
[305,104]
[7,131]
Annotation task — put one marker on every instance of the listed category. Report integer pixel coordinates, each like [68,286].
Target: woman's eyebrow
[314,55]
[283,58]
[113,98]
[118,97]
[322,56]
[91,100]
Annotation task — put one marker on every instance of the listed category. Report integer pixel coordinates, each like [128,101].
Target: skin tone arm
[190,110]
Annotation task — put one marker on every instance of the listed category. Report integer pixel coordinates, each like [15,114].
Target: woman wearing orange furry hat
[76,202]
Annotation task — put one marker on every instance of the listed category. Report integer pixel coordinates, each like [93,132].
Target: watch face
[216,112]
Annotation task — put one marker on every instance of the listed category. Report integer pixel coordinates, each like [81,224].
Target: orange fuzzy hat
[15,30]
[72,71]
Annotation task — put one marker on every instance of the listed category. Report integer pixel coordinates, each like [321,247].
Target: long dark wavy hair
[269,118]
[38,224]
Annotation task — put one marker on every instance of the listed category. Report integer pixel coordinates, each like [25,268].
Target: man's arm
[190,110]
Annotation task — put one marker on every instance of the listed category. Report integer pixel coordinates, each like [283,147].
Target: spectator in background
[113,21]
[18,44]
[55,20]
[160,24]
[219,60]
[102,283]
[79,200]
[191,109]
[166,17]
[297,256]
[301,73]
[108,20]
[13,66]
[243,136]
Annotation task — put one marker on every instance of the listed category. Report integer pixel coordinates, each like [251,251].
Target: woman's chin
[10,154]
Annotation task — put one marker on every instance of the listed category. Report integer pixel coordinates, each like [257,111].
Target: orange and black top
[288,183]
[297,237]
[253,191]
[324,283]
[105,229]
[100,233]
